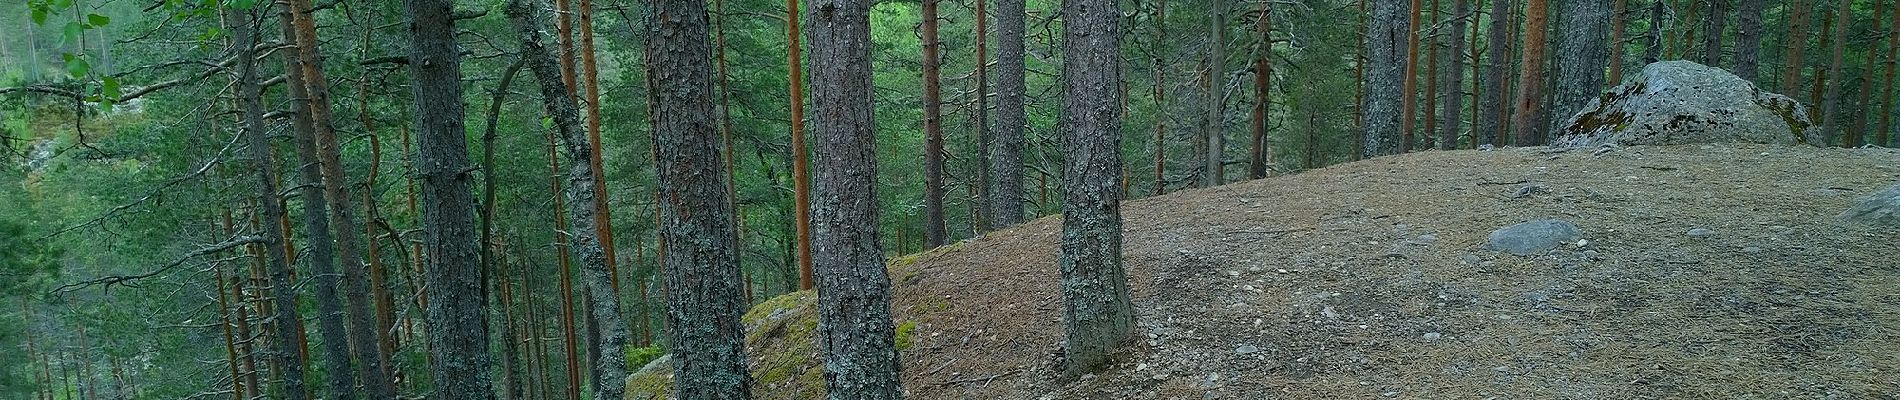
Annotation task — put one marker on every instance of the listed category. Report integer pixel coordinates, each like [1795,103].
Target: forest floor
[1370,280]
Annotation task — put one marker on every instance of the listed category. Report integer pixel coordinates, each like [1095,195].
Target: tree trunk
[1097,316]
[1161,101]
[341,378]
[1215,133]
[1385,71]
[1431,77]
[1261,156]
[1491,107]
[1007,139]
[1832,125]
[1618,22]
[603,214]
[607,333]
[1654,52]
[1884,134]
[854,290]
[1360,130]
[1857,124]
[704,291]
[1529,119]
[934,232]
[1581,53]
[1454,80]
[1409,104]
[511,376]
[801,177]
[224,318]
[1748,33]
[1797,43]
[979,190]
[458,310]
[1714,24]
[288,324]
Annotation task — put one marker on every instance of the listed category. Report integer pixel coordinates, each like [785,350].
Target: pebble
[1246,349]
[1701,232]
[1751,249]
[1433,335]
[1502,369]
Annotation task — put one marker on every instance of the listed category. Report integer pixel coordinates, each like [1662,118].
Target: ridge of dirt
[1369,280]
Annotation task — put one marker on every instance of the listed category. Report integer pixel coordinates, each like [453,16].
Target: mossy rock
[1681,102]
[780,341]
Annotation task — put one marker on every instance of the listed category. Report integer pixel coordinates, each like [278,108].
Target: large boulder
[1682,102]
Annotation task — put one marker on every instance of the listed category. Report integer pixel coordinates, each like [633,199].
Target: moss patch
[903,334]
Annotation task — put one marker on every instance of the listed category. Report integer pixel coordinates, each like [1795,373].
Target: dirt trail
[1369,280]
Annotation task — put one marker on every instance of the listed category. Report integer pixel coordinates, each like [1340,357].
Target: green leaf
[97,20]
[110,89]
[243,4]
[547,123]
[39,15]
[78,67]
[62,3]
[73,30]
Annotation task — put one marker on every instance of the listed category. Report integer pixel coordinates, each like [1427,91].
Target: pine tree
[1098,316]
[1385,72]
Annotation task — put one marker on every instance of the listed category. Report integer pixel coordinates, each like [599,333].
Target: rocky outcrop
[1881,209]
[1682,102]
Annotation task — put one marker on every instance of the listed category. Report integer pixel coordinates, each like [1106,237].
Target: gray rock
[1533,237]
[1682,102]
[1246,349]
[1881,209]
[1701,232]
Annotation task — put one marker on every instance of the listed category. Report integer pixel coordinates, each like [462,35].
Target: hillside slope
[1370,280]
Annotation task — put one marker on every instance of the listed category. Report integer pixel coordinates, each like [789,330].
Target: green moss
[650,386]
[639,356]
[903,334]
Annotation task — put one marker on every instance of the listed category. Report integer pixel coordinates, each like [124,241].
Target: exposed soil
[1369,280]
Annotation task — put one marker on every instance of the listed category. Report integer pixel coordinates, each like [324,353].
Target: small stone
[1471,259]
[1390,394]
[1881,209]
[1329,312]
[1282,270]
[1751,249]
[1233,273]
[1433,335]
[1502,369]
[1534,237]
[1425,239]
[1701,232]
[1246,349]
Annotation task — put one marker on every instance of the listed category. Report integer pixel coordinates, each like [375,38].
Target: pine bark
[935,233]
[458,310]
[1857,124]
[1798,16]
[1654,50]
[703,282]
[1748,34]
[1883,134]
[1161,101]
[1431,43]
[341,379]
[979,190]
[1451,116]
[1408,123]
[1491,106]
[1007,138]
[288,323]
[1714,26]
[1097,316]
[1581,56]
[1618,23]
[608,333]
[1831,123]
[855,333]
[1385,73]
[1260,157]
[1531,113]
[801,176]
[1215,105]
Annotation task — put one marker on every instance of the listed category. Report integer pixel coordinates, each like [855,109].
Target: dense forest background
[120,278]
